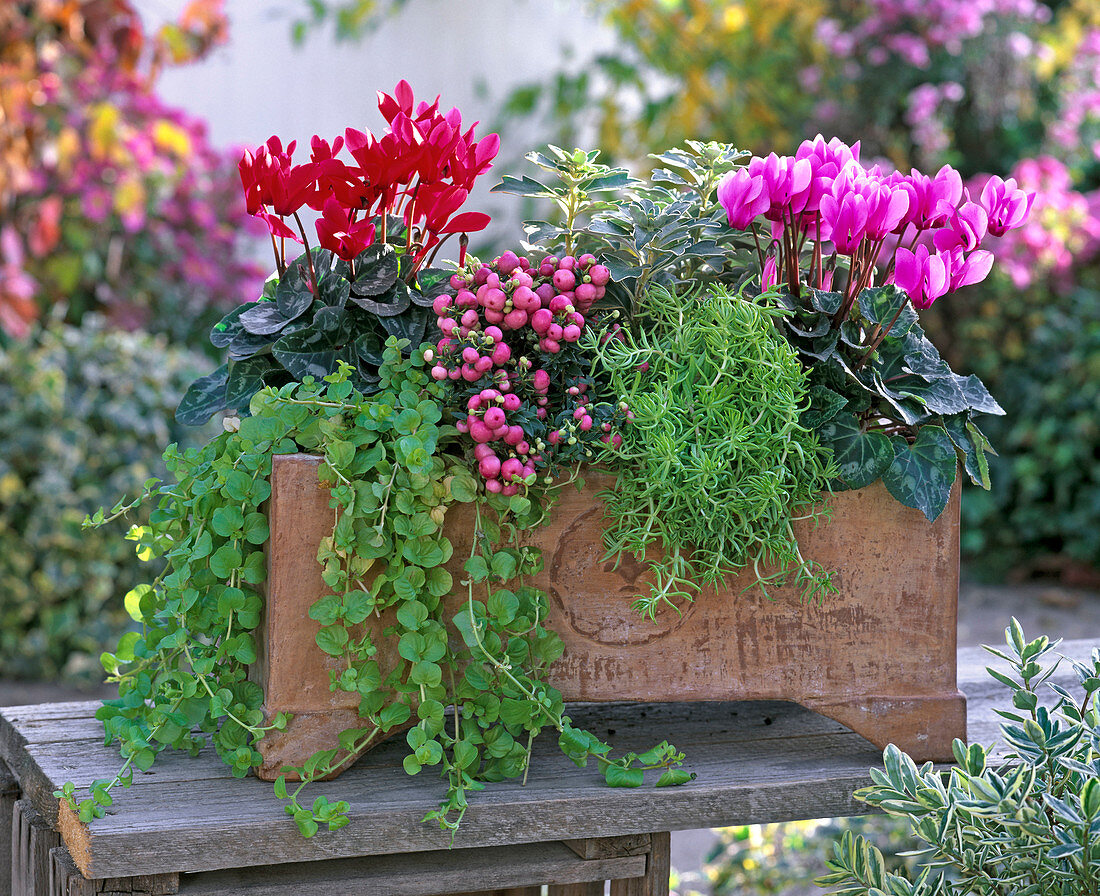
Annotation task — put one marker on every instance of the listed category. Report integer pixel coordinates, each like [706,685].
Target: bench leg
[32,840]
[9,793]
[591,889]
[657,871]
[66,880]
[511,891]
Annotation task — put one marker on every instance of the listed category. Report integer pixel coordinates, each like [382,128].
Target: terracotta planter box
[879,657]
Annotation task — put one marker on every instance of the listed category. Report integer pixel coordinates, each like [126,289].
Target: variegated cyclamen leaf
[204,398]
[376,270]
[861,457]
[306,353]
[293,295]
[263,319]
[825,404]
[228,327]
[246,378]
[978,396]
[879,305]
[968,439]
[921,475]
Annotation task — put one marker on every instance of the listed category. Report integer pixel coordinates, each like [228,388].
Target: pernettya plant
[1027,824]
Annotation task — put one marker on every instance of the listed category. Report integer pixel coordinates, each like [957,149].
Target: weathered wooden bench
[189,827]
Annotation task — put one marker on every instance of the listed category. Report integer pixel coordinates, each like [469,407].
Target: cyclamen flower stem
[309,255]
[279,263]
[435,251]
[883,331]
[411,218]
[817,250]
[759,251]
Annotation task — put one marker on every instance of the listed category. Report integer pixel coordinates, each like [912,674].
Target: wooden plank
[655,881]
[746,774]
[595,888]
[417,874]
[602,847]
[20,853]
[65,877]
[9,793]
[154,828]
[31,844]
[510,891]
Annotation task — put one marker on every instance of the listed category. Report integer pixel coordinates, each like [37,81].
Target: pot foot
[923,727]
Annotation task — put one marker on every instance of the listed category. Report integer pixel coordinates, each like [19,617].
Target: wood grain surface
[756,761]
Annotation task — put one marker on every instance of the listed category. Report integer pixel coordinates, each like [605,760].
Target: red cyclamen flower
[337,233]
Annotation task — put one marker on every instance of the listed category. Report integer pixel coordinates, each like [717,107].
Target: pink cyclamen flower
[887,204]
[826,160]
[769,277]
[923,276]
[743,197]
[933,198]
[846,219]
[968,268]
[1007,205]
[787,181]
[966,228]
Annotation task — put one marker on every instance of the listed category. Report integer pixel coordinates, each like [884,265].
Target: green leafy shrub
[1026,824]
[1045,496]
[84,417]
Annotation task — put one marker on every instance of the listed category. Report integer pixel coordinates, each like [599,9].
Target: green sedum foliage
[84,417]
[717,461]
[1042,508]
[1026,825]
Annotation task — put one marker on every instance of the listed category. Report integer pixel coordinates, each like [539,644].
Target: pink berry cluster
[509,347]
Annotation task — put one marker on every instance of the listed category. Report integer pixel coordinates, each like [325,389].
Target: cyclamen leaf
[921,474]
[825,302]
[979,398]
[246,378]
[204,398]
[879,304]
[411,325]
[376,270]
[861,457]
[306,353]
[263,319]
[228,327]
[293,295]
[333,290]
[941,395]
[825,404]
[971,443]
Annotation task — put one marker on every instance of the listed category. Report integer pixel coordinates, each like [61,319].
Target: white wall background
[472,52]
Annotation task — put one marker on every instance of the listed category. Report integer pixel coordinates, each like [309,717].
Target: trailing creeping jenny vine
[474,711]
